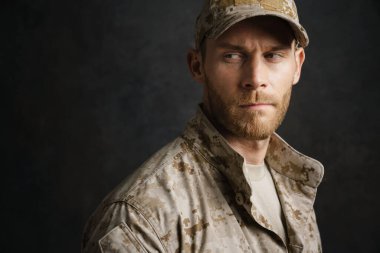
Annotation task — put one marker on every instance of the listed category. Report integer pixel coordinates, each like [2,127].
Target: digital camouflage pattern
[192,196]
[219,15]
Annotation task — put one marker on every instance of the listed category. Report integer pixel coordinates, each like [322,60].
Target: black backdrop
[94,87]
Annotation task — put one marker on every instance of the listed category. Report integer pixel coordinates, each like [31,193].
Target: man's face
[248,74]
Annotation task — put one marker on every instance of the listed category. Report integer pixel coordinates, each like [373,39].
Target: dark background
[92,88]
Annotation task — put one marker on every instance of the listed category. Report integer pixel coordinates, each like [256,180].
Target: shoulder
[148,202]
[155,177]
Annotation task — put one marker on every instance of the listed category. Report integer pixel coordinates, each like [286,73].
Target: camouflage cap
[219,15]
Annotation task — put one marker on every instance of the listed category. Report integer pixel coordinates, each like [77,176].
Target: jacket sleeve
[120,227]
[120,239]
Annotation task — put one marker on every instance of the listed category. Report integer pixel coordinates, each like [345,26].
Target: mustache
[257,97]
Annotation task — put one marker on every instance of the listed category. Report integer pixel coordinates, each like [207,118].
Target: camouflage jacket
[192,196]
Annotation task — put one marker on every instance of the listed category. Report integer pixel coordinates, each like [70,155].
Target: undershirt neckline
[256,172]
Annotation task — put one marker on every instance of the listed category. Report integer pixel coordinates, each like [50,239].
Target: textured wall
[93,88]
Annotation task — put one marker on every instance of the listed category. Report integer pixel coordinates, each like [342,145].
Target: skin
[247,75]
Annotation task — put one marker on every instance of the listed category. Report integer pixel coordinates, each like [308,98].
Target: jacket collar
[296,176]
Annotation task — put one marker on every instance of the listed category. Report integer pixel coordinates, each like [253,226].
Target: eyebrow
[228,45]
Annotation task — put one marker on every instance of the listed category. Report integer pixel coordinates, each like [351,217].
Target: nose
[255,74]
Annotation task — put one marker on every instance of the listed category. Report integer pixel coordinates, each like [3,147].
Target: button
[239,198]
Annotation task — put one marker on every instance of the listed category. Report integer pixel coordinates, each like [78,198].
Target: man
[228,183]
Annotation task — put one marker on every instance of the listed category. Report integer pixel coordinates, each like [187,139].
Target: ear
[300,59]
[195,64]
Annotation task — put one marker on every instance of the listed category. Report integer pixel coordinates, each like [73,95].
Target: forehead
[266,28]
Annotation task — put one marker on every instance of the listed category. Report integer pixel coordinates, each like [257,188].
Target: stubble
[240,122]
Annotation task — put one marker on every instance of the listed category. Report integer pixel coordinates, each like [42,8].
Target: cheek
[281,77]
[222,77]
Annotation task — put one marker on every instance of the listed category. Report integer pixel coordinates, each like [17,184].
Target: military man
[229,183]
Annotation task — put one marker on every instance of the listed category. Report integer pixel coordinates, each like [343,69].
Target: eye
[274,56]
[233,57]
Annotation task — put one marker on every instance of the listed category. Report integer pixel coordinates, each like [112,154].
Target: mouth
[256,105]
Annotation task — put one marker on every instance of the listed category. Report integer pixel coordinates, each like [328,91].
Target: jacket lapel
[296,178]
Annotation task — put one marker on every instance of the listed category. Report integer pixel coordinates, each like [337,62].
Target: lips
[256,104]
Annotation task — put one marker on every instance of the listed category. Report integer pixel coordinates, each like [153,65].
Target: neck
[253,151]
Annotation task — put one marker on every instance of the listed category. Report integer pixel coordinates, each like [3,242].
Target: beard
[249,124]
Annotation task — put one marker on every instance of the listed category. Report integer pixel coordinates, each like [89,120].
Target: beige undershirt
[264,196]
